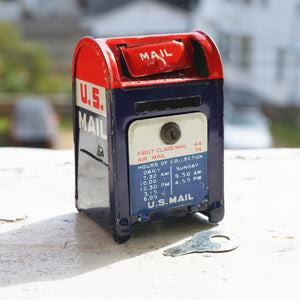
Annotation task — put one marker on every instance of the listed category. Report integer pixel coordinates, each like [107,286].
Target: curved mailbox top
[147,60]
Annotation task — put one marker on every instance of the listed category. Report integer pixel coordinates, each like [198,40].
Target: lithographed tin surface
[148,129]
[167,175]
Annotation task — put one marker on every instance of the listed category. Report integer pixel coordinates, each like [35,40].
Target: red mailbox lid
[155,58]
[146,60]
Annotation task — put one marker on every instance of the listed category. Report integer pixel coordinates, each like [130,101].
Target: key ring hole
[219,238]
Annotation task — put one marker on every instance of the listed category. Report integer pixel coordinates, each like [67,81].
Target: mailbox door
[167,163]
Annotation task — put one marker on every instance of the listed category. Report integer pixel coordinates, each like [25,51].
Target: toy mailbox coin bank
[148,129]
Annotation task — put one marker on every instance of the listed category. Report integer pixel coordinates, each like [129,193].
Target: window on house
[245,52]
[224,45]
[297,10]
[235,50]
[280,64]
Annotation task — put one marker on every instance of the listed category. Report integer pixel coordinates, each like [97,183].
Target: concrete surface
[49,251]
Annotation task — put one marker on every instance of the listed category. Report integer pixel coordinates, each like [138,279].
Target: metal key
[204,242]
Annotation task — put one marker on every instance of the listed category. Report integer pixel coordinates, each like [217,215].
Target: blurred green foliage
[4,130]
[286,134]
[66,123]
[24,65]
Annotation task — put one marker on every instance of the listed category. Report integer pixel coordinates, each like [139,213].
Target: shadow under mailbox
[72,244]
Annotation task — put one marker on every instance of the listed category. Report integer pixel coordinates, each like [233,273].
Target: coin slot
[158,105]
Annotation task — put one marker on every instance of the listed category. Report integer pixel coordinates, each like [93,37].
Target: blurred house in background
[53,8]
[138,18]
[60,24]
[259,42]
[258,39]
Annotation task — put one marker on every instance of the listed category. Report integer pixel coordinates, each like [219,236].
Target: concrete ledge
[49,251]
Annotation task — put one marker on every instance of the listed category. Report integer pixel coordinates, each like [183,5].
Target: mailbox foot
[122,232]
[121,239]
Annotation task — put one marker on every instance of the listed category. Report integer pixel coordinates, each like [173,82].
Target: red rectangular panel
[156,58]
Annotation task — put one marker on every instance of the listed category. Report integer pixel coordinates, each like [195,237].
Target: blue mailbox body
[148,129]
